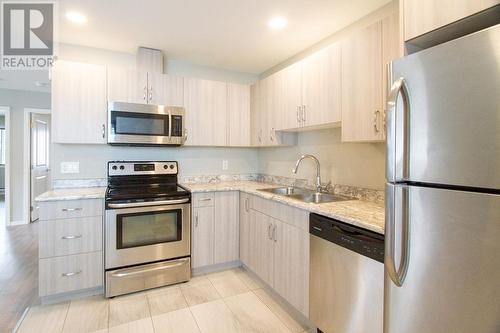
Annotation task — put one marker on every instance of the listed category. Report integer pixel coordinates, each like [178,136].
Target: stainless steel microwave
[145,125]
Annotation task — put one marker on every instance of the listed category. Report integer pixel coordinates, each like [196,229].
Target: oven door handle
[135,271]
[148,203]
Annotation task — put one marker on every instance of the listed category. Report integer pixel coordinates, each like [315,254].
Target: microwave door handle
[169,125]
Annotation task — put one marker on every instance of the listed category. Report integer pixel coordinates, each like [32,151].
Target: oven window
[139,123]
[140,229]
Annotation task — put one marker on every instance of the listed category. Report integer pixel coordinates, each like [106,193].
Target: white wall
[358,164]
[2,167]
[192,160]
[18,100]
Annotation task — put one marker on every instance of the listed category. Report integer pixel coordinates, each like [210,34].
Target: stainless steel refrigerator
[442,250]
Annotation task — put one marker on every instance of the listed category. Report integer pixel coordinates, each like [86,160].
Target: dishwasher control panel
[359,240]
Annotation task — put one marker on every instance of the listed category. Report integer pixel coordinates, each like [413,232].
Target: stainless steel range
[147,228]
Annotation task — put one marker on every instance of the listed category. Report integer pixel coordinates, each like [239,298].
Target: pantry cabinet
[238,108]
[422,16]
[205,102]
[78,103]
[129,85]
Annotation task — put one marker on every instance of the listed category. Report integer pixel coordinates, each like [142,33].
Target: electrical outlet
[70,167]
[225,164]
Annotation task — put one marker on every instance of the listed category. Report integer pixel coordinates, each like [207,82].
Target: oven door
[139,235]
[143,124]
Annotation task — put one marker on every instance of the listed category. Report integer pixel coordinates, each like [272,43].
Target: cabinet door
[206,112]
[362,85]
[127,85]
[238,114]
[202,240]
[165,89]
[255,136]
[291,264]
[227,240]
[291,96]
[321,86]
[78,103]
[261,256]
[422,16]
[245,228]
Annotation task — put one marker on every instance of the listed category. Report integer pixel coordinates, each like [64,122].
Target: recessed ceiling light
[277,22]
[76,17]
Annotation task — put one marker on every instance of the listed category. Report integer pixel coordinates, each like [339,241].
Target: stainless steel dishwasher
[346,277]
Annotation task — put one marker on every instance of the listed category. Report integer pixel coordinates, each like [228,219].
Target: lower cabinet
[215,228]
[277,250]
[202,239]
[70,246]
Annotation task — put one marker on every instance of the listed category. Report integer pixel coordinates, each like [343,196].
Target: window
[2,146]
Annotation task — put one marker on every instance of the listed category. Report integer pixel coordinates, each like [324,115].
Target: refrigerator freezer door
[453,115]
[453,264]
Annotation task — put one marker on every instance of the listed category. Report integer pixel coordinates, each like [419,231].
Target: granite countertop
[72,194]
[365,214]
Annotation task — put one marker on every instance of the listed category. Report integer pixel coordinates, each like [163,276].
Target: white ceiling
[230,34]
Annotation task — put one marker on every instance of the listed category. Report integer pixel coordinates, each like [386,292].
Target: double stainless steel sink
[305,195]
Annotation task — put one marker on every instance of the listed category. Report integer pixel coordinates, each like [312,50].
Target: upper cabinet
[205,102]
[321,87]
[126,85]
[423,16]
[365,55]
[307,93]
[78,103]
[238,109]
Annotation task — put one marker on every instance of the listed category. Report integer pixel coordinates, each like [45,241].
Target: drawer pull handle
[207,199]
[71,273]
[71,237]
[71,209]
[318,229]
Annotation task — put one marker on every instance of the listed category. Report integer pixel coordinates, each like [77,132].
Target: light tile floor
[227,301]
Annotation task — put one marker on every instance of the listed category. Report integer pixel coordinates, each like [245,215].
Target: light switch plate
[70,167]
[225,164]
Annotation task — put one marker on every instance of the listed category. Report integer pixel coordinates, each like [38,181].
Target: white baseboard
[71,295]
[215,268]
[18,222]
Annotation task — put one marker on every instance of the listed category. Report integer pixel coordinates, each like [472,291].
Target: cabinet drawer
[70,273]
[70,236]
[203,199]
[65,209]
[288,214]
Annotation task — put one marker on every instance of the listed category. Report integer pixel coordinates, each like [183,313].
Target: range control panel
[125,168]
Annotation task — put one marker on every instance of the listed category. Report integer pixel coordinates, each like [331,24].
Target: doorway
[4,166]
[37,159]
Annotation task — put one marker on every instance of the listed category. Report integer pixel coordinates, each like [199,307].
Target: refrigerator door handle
[397,275]
[398,154]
